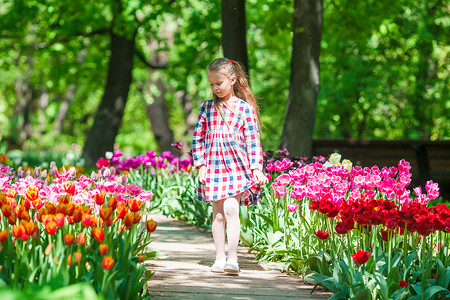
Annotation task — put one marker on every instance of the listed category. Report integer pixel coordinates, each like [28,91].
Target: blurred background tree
[384,69]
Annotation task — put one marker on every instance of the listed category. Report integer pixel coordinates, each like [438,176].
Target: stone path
[184,272]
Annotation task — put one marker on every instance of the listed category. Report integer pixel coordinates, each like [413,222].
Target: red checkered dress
[230,152]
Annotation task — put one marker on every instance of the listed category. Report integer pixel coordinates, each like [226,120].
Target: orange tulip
[136,217]
[141,258]
[4,235]
[65,199]
[7,210]
[87,220]
[61,208]
[105,213]
[12,220]
[81,239]
[59,219]
[18,231]
[51,228]
[107,262]
[70,208]
[77,256]
[69,239]
[151,225]
[98,234]
[37,204]
[128,220]
[29,228]
[50,207]
[112,202]
[103,249]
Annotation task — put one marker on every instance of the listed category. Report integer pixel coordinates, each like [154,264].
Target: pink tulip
[292,207]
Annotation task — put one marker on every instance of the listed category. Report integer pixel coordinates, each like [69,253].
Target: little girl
[227,151]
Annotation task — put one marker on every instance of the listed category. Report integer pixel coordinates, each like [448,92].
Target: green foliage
[384,71]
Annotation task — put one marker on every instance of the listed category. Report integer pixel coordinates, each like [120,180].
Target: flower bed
[357,231]
[58,229]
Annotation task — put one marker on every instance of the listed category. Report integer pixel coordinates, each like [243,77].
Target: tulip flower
[103,249]
[69,187]
[98,234]
[18,231]
[107,262]
[51,228]
[135,205]
[48,249]
[128,220]
[322,235]
[151,225]
[361,256]
[59,219]
[87,220]
[69,239]
[4,235]
[403,284]
[105,213]
[99,198]
[32,193]
[292,207]
[81,239]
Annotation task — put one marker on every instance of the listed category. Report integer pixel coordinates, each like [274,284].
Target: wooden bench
[430,160]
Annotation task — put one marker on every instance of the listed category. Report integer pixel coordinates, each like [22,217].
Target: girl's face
[221,85]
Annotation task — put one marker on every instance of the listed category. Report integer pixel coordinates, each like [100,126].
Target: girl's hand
[259,176]
[202,174]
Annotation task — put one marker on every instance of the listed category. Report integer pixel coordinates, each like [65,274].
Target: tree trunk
[64,108]
[304,81]
[110,112]
[157,114]
[234,30]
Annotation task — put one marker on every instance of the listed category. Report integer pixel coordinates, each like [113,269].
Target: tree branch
[141,56]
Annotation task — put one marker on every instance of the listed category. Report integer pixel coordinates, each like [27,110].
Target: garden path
[184,271]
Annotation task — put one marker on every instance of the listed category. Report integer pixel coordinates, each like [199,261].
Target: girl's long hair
[241,87]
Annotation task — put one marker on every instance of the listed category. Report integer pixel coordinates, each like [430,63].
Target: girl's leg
[231,209]
[218,228]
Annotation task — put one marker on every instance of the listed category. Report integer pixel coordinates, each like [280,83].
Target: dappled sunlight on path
[183,273]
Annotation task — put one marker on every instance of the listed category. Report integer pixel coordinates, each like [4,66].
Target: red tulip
[322,235]
[403,284]
[69,239]
[69,187]
[98,234]
[151,225]
[99,198]
[4,235]
[32,193]
[135,205]
[103,249]
[361,257]
[70,208]
[107,262]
